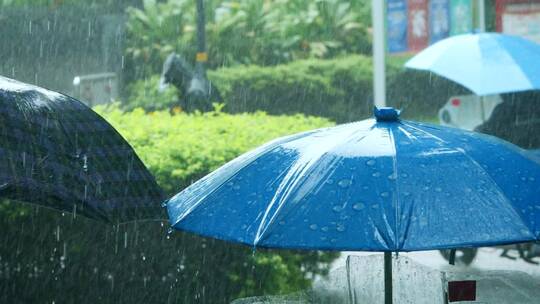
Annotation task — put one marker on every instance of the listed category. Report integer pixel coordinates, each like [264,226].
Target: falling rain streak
[91,190]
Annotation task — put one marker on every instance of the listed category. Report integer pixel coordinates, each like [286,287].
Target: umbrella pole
[452,257]
[482,108]
[388,278]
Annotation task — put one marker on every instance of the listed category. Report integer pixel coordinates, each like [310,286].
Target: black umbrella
[56,152]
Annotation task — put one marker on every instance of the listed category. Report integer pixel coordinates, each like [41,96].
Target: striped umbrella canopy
[485,63]
[57,152]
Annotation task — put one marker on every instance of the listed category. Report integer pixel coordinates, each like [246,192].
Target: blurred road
[486,259]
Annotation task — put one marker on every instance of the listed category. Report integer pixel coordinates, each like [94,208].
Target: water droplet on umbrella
[385,194]
[376,174]
[340,227]
[358,206]
[344,183]
[313,226]
[370,162]
[337,208]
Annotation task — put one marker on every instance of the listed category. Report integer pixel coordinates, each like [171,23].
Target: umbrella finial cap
[386,114]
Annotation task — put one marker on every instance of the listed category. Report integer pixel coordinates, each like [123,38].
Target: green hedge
[181,148]
[339,89]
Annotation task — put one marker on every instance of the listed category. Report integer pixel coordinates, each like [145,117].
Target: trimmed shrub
[181,148]
[339,89]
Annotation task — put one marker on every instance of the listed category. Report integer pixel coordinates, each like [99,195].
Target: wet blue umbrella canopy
[485,63]
[57,152]
[376,185]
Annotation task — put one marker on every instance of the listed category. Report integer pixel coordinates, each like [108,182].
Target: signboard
[412,25]
[439,20]
[417,30]
[461,18]
[519,18]
[396,19]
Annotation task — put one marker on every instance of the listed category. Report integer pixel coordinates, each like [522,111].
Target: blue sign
[396,17]
[439,20]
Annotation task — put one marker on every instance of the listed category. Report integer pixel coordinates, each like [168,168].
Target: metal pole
[452,257]
[202,56]
[481,15]
[482,108]
[388,278]
[379,51]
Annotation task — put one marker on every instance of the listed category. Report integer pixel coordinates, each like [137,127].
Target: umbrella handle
[388,277]
[452,257]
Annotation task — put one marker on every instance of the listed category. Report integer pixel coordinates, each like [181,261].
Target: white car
[468,111]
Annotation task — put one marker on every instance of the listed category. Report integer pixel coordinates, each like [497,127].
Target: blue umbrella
[380,184]
[485,63]
[373,185]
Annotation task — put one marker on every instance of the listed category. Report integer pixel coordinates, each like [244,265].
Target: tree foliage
[248,31]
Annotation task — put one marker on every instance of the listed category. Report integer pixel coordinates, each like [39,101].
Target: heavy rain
[270,151]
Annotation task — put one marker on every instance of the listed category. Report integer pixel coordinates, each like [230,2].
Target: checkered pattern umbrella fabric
[58,153]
